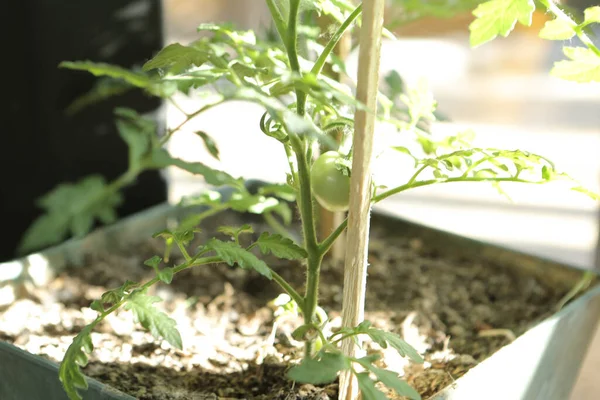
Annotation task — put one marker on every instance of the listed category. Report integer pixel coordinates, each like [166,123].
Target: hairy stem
[318,66]
[560,14]
[280,24]
[407,186]
[292,51]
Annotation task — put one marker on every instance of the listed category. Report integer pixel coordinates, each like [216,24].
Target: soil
[455,309]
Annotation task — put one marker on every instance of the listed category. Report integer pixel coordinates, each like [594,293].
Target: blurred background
[501,90]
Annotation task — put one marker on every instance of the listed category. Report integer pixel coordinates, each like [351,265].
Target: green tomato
[330,186]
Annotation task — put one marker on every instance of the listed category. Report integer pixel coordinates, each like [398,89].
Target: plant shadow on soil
[455,307]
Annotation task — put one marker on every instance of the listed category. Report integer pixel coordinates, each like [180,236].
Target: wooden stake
[357,240]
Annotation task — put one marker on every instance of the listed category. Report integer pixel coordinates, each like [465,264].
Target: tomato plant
[301,109]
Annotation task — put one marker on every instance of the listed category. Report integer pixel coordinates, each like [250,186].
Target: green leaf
[209,143]
[137,133]
[138,79]
[69,372]
[177,56]
[393,381]
[367,387]
[592,195]
[255,204]
[281,190]
[592,14]
[162,159]
[557,29]
[320,370]
[498,17]
[234,231]
[383,339]
[166,275]
[302,331]
[157,322]
[113,296]
[153,262]
[103,89]
[395,84]
[70,207]
[280,246]
[583,66]
[232,253]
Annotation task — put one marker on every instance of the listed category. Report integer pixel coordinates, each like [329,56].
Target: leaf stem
[280,24]
[189,117]
[289,290]
[560,14]
[413,185]
[292,50]
[330,240]
[318,66]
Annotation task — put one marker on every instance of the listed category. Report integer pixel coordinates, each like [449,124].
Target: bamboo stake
[355,269]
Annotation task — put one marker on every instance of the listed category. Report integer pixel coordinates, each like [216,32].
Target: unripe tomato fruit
[330,186]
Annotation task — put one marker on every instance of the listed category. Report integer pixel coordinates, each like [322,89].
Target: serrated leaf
[592,14]
[280,246]
[232,253]
[393,381]
[69,372]
[383,339]
[159,324]
[209,143]
[177,56]
[320,370]
[138,79]
[103,89]
[499,17]
[557,29]
[45,230]
[367,387]
[162,159]
[69,207]
[583,66]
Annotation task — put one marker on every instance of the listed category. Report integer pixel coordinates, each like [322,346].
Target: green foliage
[161,158]
[557,29]
[71,208]
[383,339]
[69,372]
[280,246]
[319,370]
[367,387]
[499,17]
[209,143]
[113,297]
[233,253]
[159,324]
[583,65]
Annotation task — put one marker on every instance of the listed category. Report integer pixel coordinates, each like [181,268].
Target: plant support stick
[355,271]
